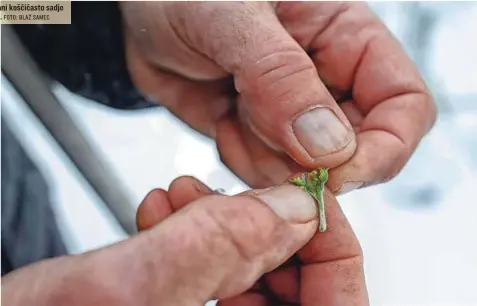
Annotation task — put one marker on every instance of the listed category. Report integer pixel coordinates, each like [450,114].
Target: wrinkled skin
[195,246]
[243,72]
[327,270]
[252,76]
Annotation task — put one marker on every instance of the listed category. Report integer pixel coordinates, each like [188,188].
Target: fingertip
[349,186]
[284,282]
[379,158]
[153,209]
[186,189]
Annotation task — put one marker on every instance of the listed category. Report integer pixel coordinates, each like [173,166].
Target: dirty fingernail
[349,186]
[320,132]
[290,203]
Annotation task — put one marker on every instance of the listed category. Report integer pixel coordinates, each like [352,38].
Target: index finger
[332,271]
[354,51]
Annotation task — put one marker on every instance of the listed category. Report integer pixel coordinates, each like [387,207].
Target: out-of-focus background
[418,232]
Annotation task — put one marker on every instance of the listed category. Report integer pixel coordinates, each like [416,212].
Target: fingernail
[320,132]
[349,186]
[290,203]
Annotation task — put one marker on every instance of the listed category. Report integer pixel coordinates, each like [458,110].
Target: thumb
[281,96]
[219,246]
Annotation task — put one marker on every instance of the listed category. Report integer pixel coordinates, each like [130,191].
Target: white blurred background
[418,232]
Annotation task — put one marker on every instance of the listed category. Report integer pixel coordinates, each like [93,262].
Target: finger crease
[340,10]
[236,245]
[353,257]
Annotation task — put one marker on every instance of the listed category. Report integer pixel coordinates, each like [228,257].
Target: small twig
[314,183]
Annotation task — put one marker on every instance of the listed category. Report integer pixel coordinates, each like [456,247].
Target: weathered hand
[328,270]
[252,75]
[196,246]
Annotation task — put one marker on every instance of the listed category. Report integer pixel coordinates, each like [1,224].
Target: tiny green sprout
[314,183]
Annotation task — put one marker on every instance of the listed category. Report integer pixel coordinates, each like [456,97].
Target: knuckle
[425,112]
[393,165]
[431,111]
[289,65]
[380,160]
[242,225]
[281,81]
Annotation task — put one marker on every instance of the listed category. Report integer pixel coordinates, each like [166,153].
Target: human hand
[252,74]
[242,268]
[197,246]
